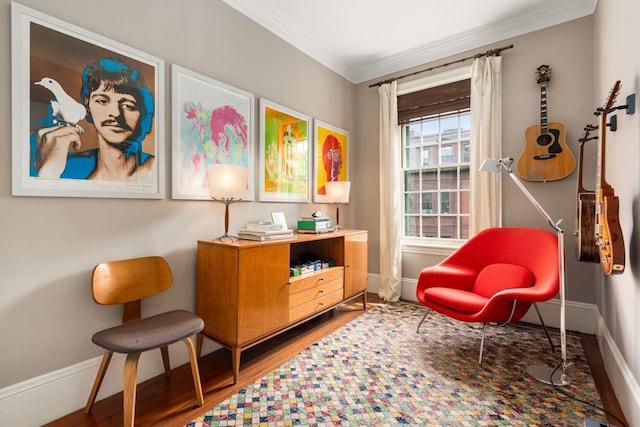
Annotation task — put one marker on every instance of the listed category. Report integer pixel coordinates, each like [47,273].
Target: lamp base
[548,375]
[227,236]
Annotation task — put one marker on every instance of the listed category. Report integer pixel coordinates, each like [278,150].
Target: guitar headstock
[587,134]
[543,74]
[613,95]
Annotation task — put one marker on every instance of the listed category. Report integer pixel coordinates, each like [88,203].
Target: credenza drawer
[315,292]
[299,284]
[323,300]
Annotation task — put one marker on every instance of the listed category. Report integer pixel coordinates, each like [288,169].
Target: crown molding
[555,13]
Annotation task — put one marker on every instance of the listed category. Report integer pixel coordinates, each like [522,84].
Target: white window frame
[420,244]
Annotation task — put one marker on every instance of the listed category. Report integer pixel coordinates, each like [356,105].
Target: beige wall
[48,246]
[567,48]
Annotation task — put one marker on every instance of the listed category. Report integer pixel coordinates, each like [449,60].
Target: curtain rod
[492,52]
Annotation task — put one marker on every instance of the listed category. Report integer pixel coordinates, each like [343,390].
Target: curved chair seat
[149,333]
[494,277]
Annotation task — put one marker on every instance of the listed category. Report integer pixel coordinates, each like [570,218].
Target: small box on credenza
[314,224]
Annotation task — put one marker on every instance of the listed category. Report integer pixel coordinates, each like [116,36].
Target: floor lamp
[227,184]
[549,375]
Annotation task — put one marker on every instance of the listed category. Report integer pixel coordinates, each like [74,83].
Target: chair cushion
[149,333]
[454,299]
[498,277]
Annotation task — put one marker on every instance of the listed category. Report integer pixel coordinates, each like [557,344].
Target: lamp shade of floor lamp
[227,184]
[338,193]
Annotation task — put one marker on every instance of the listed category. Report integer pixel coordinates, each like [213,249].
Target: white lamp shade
[337,191]
[228,181]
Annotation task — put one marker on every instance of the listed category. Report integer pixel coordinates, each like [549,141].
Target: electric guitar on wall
[546,156]
[608,233]
[586,248]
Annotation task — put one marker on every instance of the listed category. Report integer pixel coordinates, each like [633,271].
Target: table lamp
[227,184]
[338,193]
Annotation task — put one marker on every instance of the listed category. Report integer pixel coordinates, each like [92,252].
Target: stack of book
[264,231]
[310,224]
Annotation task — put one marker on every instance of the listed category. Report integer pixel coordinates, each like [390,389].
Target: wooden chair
[128,282]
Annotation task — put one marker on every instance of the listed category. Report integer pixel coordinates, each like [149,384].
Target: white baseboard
[66,390]
[625,386]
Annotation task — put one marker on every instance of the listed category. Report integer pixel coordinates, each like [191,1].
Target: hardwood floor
[170,400]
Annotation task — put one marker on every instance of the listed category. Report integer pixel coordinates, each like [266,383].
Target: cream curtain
[486,142]
[390,188]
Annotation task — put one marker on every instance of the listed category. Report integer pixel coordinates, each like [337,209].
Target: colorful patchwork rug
[377,371]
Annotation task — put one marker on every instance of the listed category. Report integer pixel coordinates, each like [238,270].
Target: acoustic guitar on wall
[608,233]
[546,156]
[586,248]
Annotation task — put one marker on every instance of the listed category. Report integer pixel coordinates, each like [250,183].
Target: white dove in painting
[65,109]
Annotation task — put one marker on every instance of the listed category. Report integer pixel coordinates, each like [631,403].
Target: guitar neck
[602,141]
[543,108]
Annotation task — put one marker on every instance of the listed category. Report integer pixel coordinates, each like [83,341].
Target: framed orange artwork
[331,155]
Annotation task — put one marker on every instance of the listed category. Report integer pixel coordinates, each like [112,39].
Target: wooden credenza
[245,295]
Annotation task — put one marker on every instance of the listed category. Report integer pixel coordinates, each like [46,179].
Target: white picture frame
[279,218]
[44,48]
[201,108]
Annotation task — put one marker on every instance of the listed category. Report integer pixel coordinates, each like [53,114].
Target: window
[436,126]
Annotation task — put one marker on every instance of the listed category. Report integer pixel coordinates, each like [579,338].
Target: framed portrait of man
[87,113]
[331,157]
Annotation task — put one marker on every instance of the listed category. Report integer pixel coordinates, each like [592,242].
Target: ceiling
[366,39]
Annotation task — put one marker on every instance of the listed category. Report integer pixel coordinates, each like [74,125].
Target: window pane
[414,134]
[464,202]
[448,227]
[449,179]
[429,226]
[430,130]
[412,180]
[464,227]
[447,202]
[465,182]
[466,151]
[412,203]
[430,155]
[412,228]
[412,158]
[447,154]
[429,179]
[465,121]
[428,202]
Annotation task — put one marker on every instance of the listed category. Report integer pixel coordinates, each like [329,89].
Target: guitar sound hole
[544,156]
[544,139]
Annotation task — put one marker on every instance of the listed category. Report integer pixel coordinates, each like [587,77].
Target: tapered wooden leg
[235,363]
[130,384]
[195,371]
[106,358]
[165,360]
[199,342]
[364,301]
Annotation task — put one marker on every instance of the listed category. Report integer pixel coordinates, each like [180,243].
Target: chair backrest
[129,281]
[532,248]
